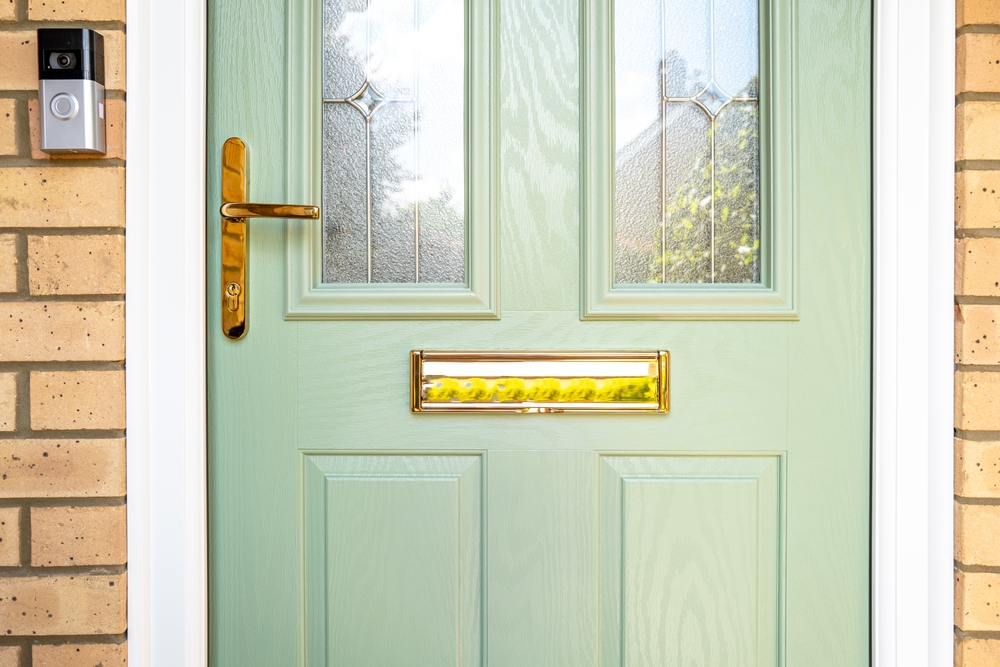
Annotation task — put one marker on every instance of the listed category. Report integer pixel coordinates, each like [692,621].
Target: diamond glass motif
[712,99]
[367,100]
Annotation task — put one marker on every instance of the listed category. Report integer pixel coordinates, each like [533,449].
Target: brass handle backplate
[236,212]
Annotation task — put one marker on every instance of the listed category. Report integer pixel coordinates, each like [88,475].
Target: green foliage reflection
[688,213]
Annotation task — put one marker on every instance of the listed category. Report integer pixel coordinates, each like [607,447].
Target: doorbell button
[64,106]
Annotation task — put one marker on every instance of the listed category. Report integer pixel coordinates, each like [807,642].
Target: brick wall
[977,335]
[62,352]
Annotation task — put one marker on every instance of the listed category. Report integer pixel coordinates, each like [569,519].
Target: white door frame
[165,372]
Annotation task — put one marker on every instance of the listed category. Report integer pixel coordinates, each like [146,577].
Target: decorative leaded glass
[687,142]
[393,141]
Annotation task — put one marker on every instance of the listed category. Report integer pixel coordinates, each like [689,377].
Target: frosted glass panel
[684,43]
[637,75]
[393,208]
[345,50]
[687,148]
[737,173]
[685,253]
[392,64]
[736,59]
[638,197]
[440,145]
[393,141]
[345,254]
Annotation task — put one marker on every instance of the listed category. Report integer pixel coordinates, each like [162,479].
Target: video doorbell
[71,90]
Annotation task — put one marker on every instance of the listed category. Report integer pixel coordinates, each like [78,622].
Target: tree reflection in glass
[393,141]
[687,142]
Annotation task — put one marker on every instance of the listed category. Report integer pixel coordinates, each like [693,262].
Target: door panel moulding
[912,427]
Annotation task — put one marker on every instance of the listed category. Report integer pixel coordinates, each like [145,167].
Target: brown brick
[62,331]
[76,264]
[19,55]
[63,605]
[86,264]
[977,131]
[114,59]
[77,536]
[8,401]
[114,128]
[974,653]
[977,334]
[8,12]
[62,197]
[68,468]
[977,64]
[8,263]
[10,536]
[977,534]
[8,124]
[73,400]
[977,601]
[10,656]
[79,655]
[977,267]
[977,469]
[977,401]
[76,10]
[977,12]
[20,61]
[977,199]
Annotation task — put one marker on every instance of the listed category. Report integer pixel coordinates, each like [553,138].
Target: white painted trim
[913,296]
[165,189]
[165,333]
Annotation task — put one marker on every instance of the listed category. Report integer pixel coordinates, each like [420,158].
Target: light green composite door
[682,175]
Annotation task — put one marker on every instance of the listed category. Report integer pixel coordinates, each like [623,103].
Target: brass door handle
[236,212]
[240,210]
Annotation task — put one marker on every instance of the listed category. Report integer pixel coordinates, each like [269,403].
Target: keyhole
[233,296]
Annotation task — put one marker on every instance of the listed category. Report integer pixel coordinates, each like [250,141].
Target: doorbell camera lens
[71,90]
[62,60]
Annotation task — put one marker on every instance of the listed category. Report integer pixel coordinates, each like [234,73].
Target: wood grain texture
[542,593]
[255,592]
[539,153]
[691,565]
[712,408]
[829,394]
[294,393]
[394,558]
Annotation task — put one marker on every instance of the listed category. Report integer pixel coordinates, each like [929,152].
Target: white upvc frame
[165,372]
[914,158]
[165,333]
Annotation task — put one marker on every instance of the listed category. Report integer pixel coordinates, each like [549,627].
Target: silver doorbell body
[71,90]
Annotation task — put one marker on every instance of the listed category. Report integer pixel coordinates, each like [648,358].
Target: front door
[597,179]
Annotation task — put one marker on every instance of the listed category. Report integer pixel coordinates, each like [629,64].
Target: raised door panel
[393,560]
[690,561]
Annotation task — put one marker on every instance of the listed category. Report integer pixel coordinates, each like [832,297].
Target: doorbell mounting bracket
[71,90]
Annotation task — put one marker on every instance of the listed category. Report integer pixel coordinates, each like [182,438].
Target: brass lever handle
[241,210]
[235,234]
